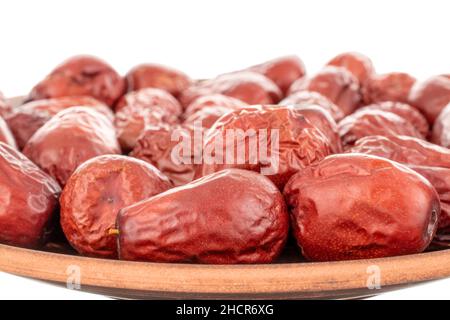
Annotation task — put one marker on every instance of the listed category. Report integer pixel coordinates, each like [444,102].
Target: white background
[205,38]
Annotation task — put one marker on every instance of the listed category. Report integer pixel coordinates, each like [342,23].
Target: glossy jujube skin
[70,138]
[26,119]
[430,160]
[141,109]
[230,217]
[81,76]
[247,86]
[157,76]
[374,122]
[28,200]
[156,146]
[393,86]
[335,83]
[355,206]
[405,111]
[299,142]
[358,64]
[96,192]
[283,71]
[431,96]
[441,128]
[308,98]
[6,135]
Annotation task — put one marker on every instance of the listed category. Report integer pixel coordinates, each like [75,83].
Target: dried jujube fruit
[6,135]
[138,110]
[374,122]
[81,76]
[26,119]
[28,200]
[431,96]
[70,138]
[441,128]
[355,206]
[250,87]
[232,216]
[5,107]
[358,64]
[393,86]
[308,98]
[283,71]
[335,83]
[405,111]
[289,140]
[96,192]
[157,76]
[213,101]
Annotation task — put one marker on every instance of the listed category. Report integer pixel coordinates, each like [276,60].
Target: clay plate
[288,278]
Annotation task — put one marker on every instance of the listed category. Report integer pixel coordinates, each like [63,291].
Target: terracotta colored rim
[214,279]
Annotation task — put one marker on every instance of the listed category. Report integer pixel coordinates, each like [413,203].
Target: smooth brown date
[251,87]
[141,109]
[283,71]
[358,64]
[374,122]
[431,96]
[157,76]
[393,86]
[430,160]
[70,138]
[26,119]
[81,76]
[156,146]
[354,206]
[308,98]
[96,192]
[233,216]
[335,83]
[405,111]
[441,128]
[299,143]
[5,134]
[28,200]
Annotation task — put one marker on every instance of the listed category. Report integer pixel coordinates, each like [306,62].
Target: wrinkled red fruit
[308,98]
[335,83]
[156,146]
[256,128]
[213,101]
[5,134]
[28,118]
[441,128]
[81,76]
[157,76]
[354,206]
[405,111]
[358,64]
[139,110]
[393,86]
[283,71]
[28,200]
[374,122]
[5,107]
[250,87]
[96,192]
[430,160]
[233,216]
[431,96]
[70,138]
